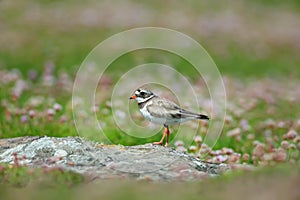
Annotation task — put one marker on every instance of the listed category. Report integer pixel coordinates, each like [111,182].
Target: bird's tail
[186,113]
[200,116]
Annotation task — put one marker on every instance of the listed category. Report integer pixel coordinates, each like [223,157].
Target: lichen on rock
[107,161]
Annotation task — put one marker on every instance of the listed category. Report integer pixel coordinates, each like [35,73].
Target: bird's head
[142,95]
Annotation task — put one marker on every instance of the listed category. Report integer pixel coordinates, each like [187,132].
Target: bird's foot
[166,145]
[157,143]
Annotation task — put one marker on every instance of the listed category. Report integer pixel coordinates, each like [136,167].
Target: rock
[107,161]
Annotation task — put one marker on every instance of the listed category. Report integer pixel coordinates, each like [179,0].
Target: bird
[162,111]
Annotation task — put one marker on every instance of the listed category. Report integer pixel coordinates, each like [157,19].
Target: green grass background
[34,32]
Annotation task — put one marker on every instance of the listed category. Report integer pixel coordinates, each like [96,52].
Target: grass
[260,61]
[44,38]
[21,176]
[269,183]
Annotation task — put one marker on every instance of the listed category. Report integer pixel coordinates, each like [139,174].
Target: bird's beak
[132,97]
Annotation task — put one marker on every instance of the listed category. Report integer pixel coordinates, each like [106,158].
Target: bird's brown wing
[167,109]
[162,108]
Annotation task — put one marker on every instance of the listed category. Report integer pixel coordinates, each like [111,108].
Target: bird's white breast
[149,117]
[145,112]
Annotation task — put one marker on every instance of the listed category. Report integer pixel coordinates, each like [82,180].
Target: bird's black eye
[142,93]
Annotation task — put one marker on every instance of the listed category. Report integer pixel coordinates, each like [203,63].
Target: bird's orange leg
[166,132]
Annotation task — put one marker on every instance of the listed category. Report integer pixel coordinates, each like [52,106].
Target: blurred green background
[245,38]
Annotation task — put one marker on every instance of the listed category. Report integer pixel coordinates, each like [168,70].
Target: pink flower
[270,123]
[204,146]
[220,158]
[234,158]
[192,148]
[291,134]
[213,153]
[63,119]
[281,124]
[24,119]
[258,150]
[284,144]
[280,155]
[297,139]
[57,107]
[19,87]
[32,113]
[179,143]
[267,157]
[50,112]
[246,157]
[227,151]
[234,132]
[276,139]
[198,139]
[244,124]
[32,75]
[228,119]
[292,146]
[203,151]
